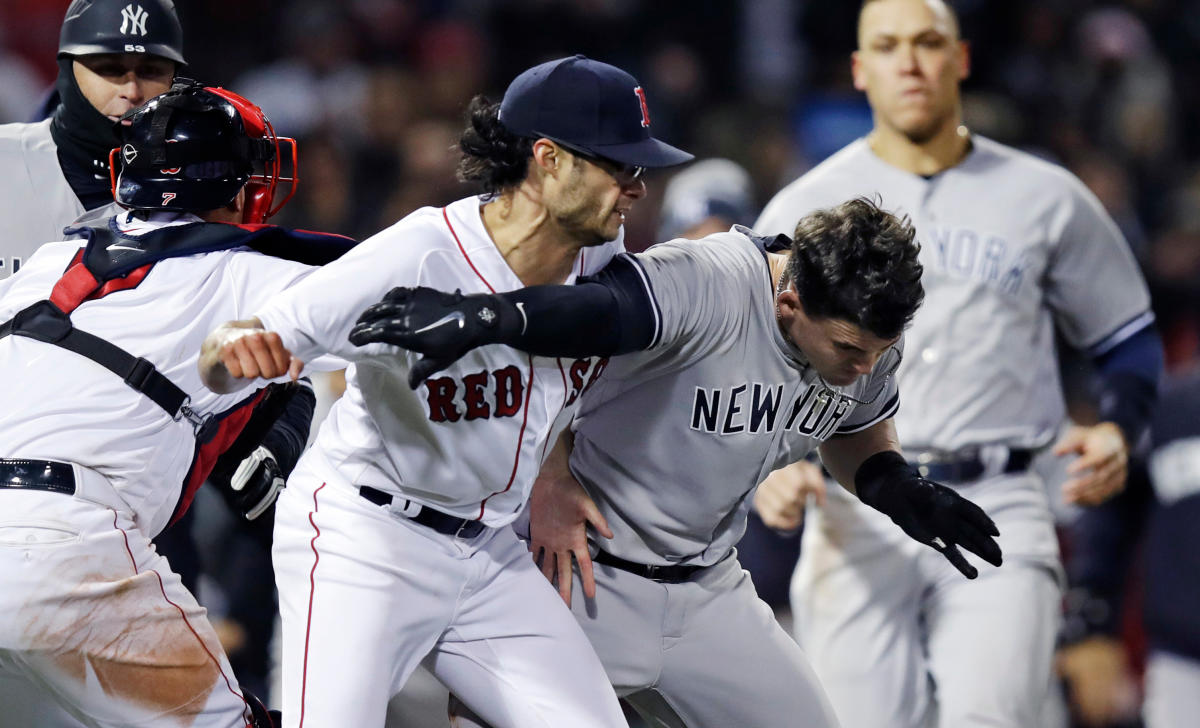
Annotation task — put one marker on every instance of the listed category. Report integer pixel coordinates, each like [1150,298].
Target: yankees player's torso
[36,201]
[1013,246]
[470,440]
[671,441]
[62,406]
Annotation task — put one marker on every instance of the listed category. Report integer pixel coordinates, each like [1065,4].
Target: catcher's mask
[193,148]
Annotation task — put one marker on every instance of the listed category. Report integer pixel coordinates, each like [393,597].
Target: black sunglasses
[623,173]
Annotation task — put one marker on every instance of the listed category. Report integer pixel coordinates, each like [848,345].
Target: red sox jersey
[471,439]
[59,405]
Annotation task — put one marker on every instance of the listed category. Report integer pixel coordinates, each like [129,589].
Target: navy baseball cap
[587,106]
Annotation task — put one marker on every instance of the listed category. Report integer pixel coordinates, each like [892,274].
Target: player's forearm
[842,455]
[589,319]
[610,314]
[1129,378]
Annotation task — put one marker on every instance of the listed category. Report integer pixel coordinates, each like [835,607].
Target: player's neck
[777,263]
[533,249]
[939,153]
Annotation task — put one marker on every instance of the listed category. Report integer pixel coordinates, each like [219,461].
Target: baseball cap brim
[650,153]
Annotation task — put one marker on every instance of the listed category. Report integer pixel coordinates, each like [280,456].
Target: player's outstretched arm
[239,351]
[600,317]
[870,464]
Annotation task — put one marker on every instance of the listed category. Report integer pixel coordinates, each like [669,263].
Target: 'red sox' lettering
[500,393]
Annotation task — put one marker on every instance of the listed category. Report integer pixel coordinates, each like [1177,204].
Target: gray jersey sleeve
[1093,284]
[698,288]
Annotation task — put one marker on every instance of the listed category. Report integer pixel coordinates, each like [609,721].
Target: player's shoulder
[427,226]
[19,138]
[1033,171]
[53,256]
[738,248]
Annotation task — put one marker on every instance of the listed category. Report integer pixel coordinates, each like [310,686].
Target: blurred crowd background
[374,90]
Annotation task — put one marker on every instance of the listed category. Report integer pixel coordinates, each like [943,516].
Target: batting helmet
[122,26]
[193,148]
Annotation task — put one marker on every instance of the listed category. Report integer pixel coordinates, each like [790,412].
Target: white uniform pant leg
[1172,691]
[363,596]
[856,597]
[729,663]
[516,656]
[94,618]
[991,644]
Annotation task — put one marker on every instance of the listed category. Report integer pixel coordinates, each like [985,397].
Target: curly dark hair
[858,262]
[492,157]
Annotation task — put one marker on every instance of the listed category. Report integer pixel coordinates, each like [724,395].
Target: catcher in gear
[108,430]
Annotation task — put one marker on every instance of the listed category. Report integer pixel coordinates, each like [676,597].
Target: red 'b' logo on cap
[645,109]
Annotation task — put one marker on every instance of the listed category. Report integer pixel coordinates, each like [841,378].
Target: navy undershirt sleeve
[607,314]
[1129,375]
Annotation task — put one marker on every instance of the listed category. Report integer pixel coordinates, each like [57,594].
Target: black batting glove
[928,512]
[440,326]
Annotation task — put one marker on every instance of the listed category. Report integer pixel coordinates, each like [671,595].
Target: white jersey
[471,439]
[36,202]
[59,405]
[671,441]
[980,366]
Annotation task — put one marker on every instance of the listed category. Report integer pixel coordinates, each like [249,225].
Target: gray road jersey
[36,202]
[672,440]
[1012,247]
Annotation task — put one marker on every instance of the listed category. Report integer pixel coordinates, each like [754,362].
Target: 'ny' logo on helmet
[133,20]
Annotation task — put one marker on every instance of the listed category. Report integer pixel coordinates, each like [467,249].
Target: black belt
[37,475]
[428,517]
[673,574]
[950,468]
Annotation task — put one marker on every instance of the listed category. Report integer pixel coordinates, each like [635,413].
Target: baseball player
[783,353]
[108,430]
[113,55]
[1014,248]
[391,540]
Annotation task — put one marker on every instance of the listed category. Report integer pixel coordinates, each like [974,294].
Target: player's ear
[547,156]
[964,60]
[788,302]
[856,72]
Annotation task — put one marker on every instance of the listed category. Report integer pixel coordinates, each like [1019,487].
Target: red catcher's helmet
[193,148]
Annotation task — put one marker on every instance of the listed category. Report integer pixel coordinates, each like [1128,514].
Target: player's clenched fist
[243,350]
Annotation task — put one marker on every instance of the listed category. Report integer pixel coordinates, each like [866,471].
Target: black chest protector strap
[44,322]
[113,260]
